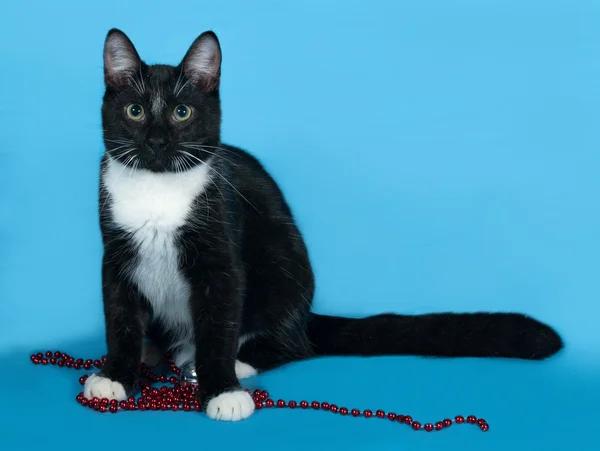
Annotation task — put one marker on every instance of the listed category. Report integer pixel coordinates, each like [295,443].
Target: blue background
[438,156]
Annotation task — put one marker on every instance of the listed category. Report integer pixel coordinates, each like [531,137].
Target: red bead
[304,404]
[484,427]
[355,412]
[367,413]
[408,419]
[113,409]
[258,405]
[84,402]
[102,408]
[61,363]
[292,404]
[481,421]
[57,354]
[82,379]
[269,403]
[34,359]
[416,425]
[380,414]
[174,407]
[439,426]
[315,405]
[39,355]
[428,427]
[280,403]
[265,393]
[447,422]
[68,364]
[343,411]
[391,416]
[53,361]
[459,419]
[471,419]
[325,405]
[333,408]
[48,354]
[400,418]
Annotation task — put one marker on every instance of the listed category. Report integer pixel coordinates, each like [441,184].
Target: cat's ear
[121,60]
[202,62]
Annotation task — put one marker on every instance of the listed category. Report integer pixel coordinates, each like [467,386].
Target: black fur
[246,260]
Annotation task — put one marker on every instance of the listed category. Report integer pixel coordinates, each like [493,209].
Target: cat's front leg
[216,307]
[123,339]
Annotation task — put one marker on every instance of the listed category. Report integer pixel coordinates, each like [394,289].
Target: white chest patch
[153,207]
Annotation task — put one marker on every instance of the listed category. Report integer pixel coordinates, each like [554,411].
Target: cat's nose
[156,143]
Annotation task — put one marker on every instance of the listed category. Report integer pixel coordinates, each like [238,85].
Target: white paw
[243,370]
[103,387]
[231,406]
[151,355]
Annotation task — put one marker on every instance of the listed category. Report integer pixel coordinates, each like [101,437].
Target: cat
[202,255]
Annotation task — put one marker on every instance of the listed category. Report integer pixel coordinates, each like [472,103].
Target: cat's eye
[135,111]
[182,113]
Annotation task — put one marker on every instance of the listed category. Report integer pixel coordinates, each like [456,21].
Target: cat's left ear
[202,62]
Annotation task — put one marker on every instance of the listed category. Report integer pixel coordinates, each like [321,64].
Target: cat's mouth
[158,164]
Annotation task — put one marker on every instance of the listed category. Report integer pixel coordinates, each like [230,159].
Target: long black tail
[510,335]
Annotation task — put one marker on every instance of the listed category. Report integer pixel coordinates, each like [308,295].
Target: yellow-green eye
[182,112]
[135,111]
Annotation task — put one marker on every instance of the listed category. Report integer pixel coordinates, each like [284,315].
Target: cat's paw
[102,387]
[151,354]
[244,371]
[230,406]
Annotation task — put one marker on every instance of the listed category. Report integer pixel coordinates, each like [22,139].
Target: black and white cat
[202,255]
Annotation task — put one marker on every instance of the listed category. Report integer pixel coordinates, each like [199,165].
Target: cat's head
[158,117]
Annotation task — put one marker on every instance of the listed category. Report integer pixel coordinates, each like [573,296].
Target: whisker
[222,177]
[117,148]
[178,81]
[181,88]
[125,152]
[210,153]
[119,141]
[134,167]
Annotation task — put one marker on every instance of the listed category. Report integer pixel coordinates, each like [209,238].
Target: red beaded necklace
[183,397]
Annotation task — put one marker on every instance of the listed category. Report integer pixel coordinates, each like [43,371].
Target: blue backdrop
[438,156]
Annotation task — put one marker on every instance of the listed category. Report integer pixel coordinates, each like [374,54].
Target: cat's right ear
[121,60]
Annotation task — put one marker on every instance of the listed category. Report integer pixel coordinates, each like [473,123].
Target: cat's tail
[510,335]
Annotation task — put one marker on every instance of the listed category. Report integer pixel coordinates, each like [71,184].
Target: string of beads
[183,396]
